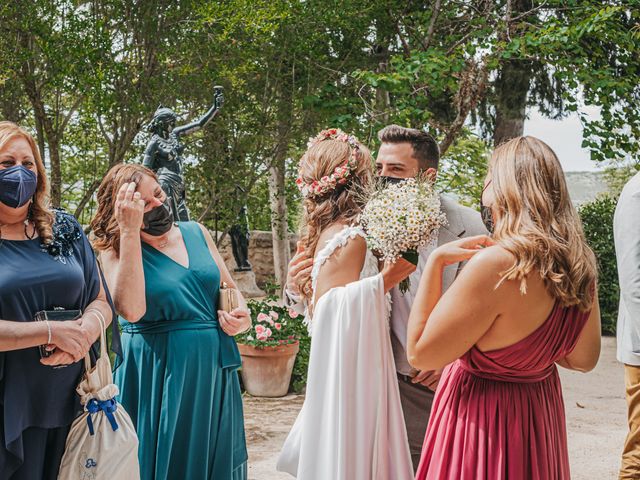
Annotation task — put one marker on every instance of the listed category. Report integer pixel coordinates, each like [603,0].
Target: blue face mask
[17,186]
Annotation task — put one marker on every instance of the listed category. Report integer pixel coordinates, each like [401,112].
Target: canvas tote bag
[102,443]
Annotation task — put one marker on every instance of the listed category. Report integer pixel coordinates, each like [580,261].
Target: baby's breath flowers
[400,218]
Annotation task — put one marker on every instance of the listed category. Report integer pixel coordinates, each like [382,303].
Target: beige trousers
[630,468]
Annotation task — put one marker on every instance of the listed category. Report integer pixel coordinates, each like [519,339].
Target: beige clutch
[228,298]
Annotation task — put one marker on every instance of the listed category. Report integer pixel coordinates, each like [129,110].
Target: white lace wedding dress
[351,425]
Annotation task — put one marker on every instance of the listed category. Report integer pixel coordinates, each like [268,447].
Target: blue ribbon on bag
[106,406]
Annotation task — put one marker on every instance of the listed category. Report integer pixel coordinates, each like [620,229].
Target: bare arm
[239,320]
[72,339]
[586,353]
[441,327]
[124,274]
[225,276]
[19,335]
[90,325]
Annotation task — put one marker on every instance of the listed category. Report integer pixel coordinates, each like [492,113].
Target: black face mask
[159,220]
[386,181]
[487,217]
[485,213]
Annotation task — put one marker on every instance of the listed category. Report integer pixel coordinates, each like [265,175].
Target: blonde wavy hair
[536,222]
[41,214]
[343,204]
[104,224]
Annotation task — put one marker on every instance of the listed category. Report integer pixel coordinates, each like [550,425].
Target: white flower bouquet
[400,218]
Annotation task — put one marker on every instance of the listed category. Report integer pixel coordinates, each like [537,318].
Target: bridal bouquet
[400,218]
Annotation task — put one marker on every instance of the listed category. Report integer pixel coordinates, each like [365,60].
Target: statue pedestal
[246,282]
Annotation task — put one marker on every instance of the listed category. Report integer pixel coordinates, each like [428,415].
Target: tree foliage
[87,77]
[448,66]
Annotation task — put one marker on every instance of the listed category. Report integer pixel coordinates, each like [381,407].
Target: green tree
[489,60]
[46,48]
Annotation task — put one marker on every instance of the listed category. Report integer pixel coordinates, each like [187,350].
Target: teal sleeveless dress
[179,379]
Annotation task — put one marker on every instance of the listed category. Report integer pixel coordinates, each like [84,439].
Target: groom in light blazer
[404,153]
[626,234]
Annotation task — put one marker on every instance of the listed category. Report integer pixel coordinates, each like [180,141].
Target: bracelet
[48,332]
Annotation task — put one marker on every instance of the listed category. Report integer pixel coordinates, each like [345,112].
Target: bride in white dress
[351,425]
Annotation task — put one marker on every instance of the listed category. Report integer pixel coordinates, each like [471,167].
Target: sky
[564,137]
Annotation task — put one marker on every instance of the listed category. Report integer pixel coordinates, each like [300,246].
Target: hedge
[597,219]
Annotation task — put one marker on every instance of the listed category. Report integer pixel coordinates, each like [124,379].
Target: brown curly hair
[41,213]
[104,224]
[343,204]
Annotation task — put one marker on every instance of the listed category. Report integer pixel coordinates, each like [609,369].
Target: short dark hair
[425,148]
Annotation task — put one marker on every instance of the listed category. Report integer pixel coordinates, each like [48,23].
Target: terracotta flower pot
[266,371]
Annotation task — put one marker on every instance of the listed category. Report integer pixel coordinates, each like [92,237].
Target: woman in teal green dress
[178,379]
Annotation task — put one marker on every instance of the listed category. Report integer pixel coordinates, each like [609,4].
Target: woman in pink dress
[525,302]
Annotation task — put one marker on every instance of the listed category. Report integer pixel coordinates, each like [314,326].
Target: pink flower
[278,326]
[260,330]
[293,313]
[263,317]
[274,315]
[268,332]
[262,338]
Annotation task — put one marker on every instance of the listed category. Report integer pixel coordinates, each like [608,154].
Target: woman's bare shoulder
[346,249]
[494,257]
[487,266]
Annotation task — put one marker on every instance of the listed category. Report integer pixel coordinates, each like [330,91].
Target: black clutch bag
[56,315]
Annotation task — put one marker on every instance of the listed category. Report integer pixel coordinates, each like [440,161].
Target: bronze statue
[163,154]
[240,235]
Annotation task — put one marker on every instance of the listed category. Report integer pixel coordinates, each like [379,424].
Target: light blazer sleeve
[626,232]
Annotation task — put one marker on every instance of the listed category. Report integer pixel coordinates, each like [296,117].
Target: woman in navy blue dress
[46,263]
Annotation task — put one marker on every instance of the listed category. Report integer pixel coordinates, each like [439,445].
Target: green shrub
[597,219]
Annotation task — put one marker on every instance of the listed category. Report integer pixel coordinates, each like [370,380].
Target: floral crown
[340,174]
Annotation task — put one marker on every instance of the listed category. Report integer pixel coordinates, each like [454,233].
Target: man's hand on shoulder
[299,270]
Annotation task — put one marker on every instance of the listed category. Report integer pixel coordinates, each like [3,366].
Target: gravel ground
[596,422]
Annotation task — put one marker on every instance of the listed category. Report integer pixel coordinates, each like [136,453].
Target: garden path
[596,422]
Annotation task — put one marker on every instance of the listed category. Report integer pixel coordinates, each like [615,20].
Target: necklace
[26,234]
[33,232]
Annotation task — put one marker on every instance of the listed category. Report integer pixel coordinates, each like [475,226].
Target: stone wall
[260,255]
